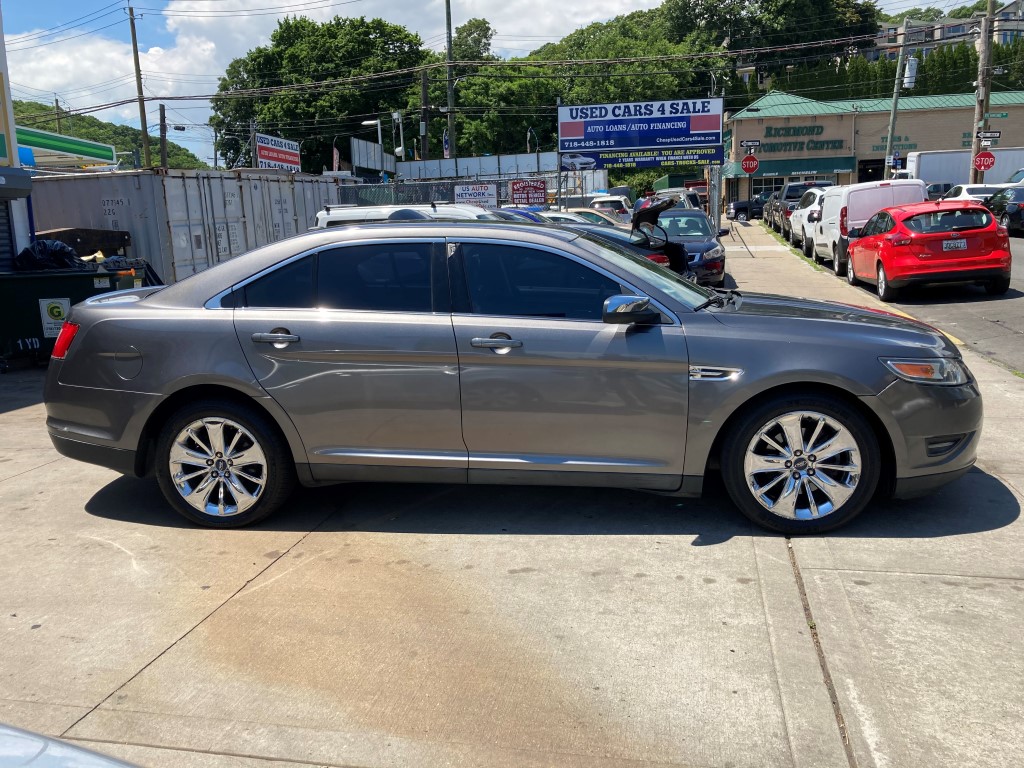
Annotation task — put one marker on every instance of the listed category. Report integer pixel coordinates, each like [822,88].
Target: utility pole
[451,82]
[163,138]
[424,117]
[981,103]
[252,141]
[900,62]
[138,88]
[56,110]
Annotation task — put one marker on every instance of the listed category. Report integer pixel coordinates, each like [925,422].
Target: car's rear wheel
[997,287]
[885,291]
[809,251]
[801,464]
[1004,222]
[851,276]
[838,267]
[222,464]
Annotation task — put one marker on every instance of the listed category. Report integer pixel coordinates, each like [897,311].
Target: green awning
[811,166]
[64,148]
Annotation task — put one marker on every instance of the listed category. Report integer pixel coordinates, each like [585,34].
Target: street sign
[989,134]
[990,115]
[986,142]
[750,143]
[984,161]
[749,164]
[896,153]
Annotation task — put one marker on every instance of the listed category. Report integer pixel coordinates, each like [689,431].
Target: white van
[339,215]
[844,208]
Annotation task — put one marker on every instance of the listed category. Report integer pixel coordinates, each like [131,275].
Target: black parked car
[1007,205]
[745,210]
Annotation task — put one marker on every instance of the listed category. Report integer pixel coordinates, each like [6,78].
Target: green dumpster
[33,306]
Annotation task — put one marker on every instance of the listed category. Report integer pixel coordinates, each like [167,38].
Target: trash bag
[50,254]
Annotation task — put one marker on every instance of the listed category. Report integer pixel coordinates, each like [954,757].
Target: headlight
[714,253]
[937,370]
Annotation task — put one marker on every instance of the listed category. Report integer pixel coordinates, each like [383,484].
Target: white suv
[801,223]
[339,215]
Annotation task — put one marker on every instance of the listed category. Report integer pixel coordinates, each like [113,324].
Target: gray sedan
[500,353]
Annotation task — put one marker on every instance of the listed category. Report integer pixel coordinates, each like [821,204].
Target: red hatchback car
[946,241]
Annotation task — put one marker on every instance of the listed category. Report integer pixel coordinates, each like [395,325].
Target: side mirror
[853,234]
[724,231]
[627,310]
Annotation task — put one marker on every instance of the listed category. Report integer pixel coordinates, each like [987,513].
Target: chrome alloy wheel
[218,467]
[802,465]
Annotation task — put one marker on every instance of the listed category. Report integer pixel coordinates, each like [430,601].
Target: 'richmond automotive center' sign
[659,128]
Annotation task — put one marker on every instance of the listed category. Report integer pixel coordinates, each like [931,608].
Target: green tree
[304,52]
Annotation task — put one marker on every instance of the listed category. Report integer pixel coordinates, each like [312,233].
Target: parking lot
[390,625]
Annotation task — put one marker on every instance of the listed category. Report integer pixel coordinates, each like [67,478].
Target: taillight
[899,240]
[63,343]
[843,223]
[658,258]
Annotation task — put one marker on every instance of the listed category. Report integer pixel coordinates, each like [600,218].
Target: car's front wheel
[223,464]
[741,216]
[801,464]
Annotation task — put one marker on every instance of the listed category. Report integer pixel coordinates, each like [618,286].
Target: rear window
[937,222]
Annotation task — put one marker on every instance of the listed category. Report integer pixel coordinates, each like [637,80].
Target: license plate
[954,245]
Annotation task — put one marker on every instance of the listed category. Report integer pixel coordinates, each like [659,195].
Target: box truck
[954,166]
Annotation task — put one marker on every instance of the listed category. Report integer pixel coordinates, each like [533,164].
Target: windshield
[665,280]
[679,223]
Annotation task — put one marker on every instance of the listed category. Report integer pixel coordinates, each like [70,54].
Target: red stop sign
[984,161]
[749,164]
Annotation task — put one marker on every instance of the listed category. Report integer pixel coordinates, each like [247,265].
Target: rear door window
[385,277]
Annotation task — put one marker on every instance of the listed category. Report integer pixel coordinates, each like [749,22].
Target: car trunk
[941,236]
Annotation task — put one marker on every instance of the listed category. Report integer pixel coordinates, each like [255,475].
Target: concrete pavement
[376,625]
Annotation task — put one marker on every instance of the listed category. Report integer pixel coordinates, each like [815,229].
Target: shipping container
[183,222]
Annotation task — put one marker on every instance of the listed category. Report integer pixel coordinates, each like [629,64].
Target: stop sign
[984,161]
[749,164]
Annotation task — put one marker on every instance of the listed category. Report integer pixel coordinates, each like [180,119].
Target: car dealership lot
[377,625]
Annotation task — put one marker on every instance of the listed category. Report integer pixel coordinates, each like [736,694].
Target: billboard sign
[643,158]
[640,125]
[484,195]
[272,152]
[528,191]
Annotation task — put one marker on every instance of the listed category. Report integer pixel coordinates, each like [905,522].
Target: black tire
[254,430]
[790,236]
[851,276]
[885,291]
[742,438]
[838,267]
[1004,221]
[809,251]
[741,216]
[997,287]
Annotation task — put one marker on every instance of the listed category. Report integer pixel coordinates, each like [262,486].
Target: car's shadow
[21,387]
[977,502]
[914,296]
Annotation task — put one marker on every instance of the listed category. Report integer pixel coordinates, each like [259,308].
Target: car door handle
[274,338]
[496,343]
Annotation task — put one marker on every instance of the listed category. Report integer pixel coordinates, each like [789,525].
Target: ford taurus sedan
[502,353]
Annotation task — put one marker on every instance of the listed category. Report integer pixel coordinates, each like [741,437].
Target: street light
[380,141]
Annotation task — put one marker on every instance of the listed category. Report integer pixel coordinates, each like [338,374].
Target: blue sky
[80,49]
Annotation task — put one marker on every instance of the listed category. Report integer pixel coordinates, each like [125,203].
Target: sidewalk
[919,631]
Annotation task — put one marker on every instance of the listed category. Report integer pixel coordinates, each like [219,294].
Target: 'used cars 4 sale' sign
[274,152]
[645,133]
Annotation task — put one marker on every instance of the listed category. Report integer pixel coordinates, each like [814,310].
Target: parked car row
[888,234]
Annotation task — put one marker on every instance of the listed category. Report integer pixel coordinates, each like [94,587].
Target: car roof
[930,206]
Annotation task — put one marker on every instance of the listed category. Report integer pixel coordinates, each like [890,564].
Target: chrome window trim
[214,301]
[672,316]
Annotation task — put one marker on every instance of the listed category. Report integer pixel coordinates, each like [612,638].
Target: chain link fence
[424,192]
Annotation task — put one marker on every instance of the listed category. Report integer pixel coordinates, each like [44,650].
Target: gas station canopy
[52,150]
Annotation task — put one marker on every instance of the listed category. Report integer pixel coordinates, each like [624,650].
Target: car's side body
[805,217]
[1008,207]
[374,394]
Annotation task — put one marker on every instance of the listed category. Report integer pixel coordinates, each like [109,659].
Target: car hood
[841,324]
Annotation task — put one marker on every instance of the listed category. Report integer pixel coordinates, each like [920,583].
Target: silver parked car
[501,353]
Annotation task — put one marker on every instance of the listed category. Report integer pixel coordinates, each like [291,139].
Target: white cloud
[204,44]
